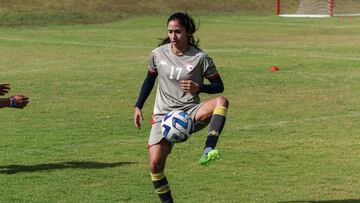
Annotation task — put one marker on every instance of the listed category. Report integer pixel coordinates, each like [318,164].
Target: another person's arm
[17,101]
[4,88]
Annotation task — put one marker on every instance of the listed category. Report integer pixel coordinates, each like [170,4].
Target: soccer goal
[317,8]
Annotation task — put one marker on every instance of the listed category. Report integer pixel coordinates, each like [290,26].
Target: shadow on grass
[15,168]
[327,201]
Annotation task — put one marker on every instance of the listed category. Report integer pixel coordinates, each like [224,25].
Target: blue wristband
[12,102]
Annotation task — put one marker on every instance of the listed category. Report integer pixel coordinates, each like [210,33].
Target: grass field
[291,135]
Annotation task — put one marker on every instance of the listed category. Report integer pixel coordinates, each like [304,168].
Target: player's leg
[214,109]
[158,154]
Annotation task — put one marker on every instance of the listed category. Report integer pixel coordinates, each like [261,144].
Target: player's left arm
[211,74]
[216,85]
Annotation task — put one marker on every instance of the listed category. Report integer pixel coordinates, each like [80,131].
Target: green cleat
[212,156]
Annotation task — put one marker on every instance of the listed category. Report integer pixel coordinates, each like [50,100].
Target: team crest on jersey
[189,66]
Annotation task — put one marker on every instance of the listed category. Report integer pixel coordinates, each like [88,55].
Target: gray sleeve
[152,62]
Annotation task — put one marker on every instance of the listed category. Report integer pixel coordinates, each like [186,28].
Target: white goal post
[317,8]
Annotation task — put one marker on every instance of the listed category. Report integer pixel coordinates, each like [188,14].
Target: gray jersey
[194,65]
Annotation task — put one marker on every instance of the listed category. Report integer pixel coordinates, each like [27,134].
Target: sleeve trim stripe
[213,77]
[152,72]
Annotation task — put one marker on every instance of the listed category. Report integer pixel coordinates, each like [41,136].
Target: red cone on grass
[274,68]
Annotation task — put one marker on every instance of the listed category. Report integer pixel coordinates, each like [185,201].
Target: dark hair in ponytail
[188,22]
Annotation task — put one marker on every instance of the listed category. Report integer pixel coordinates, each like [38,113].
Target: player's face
[177,35]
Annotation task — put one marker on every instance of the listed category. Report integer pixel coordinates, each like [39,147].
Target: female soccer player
[181,67]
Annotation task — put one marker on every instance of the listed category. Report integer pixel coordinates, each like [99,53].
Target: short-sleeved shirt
[193,65]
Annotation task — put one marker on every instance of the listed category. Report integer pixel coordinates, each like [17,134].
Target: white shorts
[156,135]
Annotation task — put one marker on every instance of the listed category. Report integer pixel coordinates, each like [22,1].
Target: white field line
[53,65]
[348,26]
[242,50]
[76,43]
[335,57]
[284,123]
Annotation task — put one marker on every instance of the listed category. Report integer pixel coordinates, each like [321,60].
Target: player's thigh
[206,110]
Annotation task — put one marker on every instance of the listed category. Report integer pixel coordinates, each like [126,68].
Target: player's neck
[179,51]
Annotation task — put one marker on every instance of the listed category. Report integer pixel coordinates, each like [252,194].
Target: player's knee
[222,101]
[155,166]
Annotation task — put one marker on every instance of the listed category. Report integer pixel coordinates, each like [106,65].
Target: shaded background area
[41,12]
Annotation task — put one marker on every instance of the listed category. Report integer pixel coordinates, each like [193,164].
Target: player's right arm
[145,91]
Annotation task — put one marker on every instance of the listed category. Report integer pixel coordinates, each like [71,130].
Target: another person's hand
[138,117]
[189,86]
[19,101]
[4,88]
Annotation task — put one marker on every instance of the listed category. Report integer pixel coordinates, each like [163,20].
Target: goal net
[318,8]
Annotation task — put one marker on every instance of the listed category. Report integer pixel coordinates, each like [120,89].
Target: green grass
[290,135]
[49,12]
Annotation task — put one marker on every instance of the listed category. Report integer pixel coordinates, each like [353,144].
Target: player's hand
[138,117]
[4,88]
[189,86]
[21,101]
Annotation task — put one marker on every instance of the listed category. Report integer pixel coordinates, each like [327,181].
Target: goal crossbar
[317,8]
[304,15]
